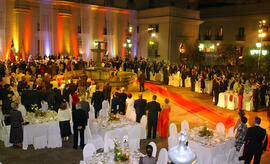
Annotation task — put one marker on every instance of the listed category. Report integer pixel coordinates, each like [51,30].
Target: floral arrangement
[112,117]
[118,154]
[38,113]
[205,132]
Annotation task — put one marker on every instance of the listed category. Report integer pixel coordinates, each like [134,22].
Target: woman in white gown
[129,105]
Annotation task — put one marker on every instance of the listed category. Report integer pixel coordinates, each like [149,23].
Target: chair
[108,144]
[5,133]
[163,156]
[54,137]
[231,132]
[173,137]
[220,127]
[95,139]
[225,159]
[88,151]
[133,116]
[154,153]
[221,100]
[184,125]
[143,126]
[22,109]
[104,110]
[91,112]
[173,130]
[232,104]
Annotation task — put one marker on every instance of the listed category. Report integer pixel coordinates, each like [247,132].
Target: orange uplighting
[60,34]
[27,33]
[74,40]
[101,28]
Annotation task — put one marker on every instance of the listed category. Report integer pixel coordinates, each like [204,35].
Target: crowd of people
[24,85]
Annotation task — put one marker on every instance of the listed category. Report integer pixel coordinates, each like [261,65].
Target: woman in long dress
[129,105]
[16,131]
[163,120]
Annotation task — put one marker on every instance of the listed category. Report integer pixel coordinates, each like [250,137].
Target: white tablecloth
[108,158]
[205,155]
[50,130]
[119,132]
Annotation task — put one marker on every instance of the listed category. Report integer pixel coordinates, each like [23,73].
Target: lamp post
[261,35]
[128,46]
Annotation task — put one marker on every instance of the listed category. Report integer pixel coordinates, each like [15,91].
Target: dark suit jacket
[122,107]
[97,99]
[153,107]
[140,105]
[256,138]
[85,107]
[107,92]
[115,103]
[79,118]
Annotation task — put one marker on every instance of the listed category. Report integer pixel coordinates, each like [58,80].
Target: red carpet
[209,114]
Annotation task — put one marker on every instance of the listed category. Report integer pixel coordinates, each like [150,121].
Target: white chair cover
[44,106]
[95,139]
[172,142]
[154,153]
[54,137]
[173,130]
[92,112]
[88,151]
[226,158]
[163,156]
[221,100]
[220,127]
[108,144]
[133,116]
[5,133]
[231,132]
[143,126]
[185,125]
[22,109]
[232,104]
[104,110]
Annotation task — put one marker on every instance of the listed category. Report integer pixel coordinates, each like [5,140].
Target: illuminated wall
[55,27]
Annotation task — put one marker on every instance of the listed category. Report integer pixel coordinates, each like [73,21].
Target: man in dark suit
[256,140]
[97,99]
[26,98]
[79,122]
[107,92]
[141,81]
[85,106]
[21,85]
[122,106]
[256,100]
[153,108]
[115,103]
[139,106]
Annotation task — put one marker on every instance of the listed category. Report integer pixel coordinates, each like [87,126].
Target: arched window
[219,35]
